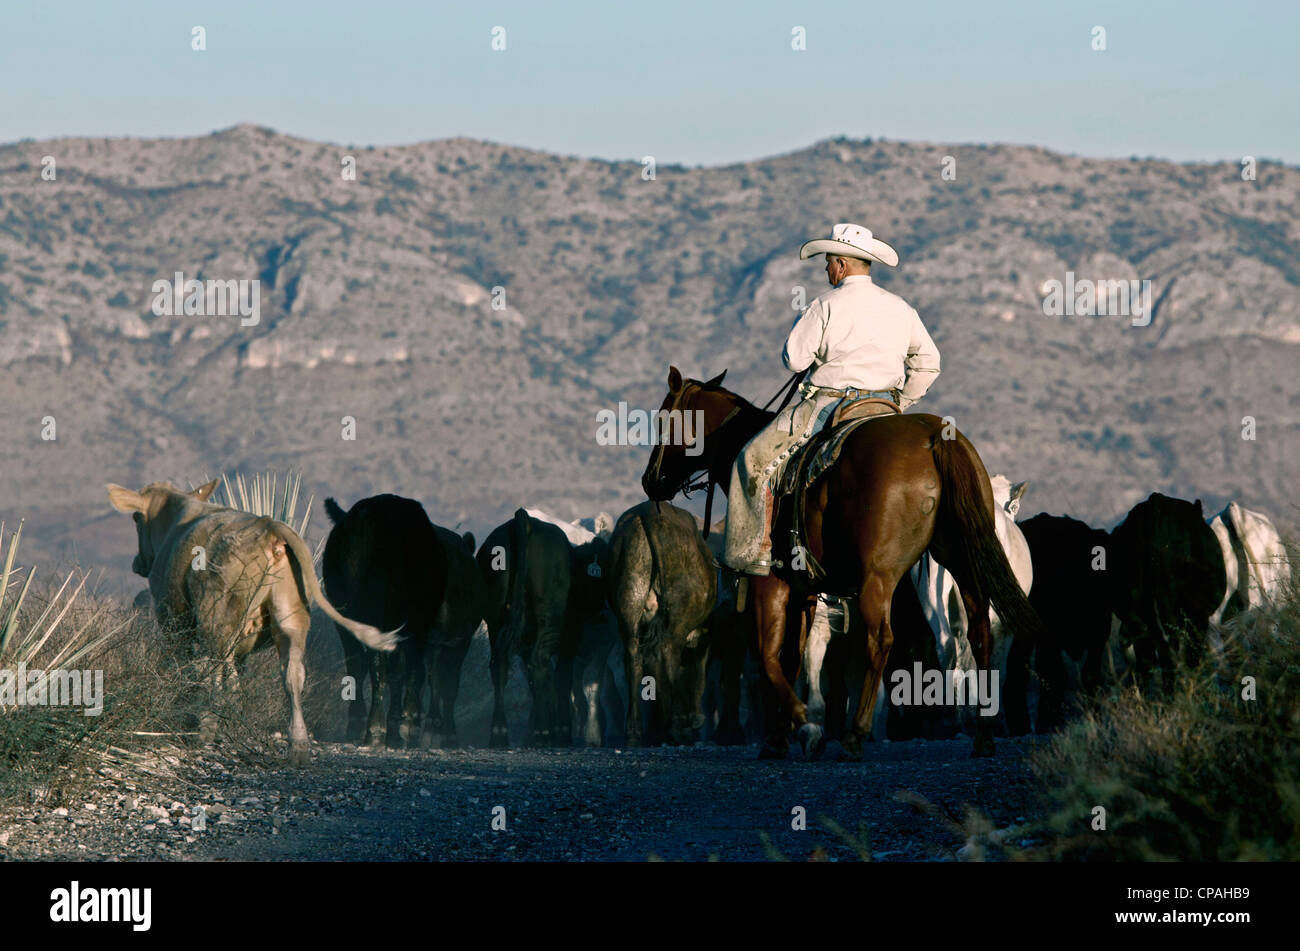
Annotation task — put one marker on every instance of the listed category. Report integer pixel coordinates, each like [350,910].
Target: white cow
[940,602]
[598,665]
[1254,557]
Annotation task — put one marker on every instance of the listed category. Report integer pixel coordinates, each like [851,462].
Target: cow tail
[981,568]
[334,511]
[305,574]
[516,606]
[651,630]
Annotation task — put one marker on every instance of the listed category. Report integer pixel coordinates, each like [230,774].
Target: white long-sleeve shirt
[861,335]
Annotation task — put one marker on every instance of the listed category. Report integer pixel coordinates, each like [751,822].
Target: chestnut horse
[902,484]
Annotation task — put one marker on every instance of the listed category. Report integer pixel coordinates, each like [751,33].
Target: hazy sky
[698,83]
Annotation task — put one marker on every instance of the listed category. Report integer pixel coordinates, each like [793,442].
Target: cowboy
[861,341]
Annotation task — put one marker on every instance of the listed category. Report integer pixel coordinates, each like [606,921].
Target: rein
[687,485]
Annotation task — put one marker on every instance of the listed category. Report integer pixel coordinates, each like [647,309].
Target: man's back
[860,335]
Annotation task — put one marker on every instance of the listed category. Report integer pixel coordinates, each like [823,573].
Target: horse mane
[715,386]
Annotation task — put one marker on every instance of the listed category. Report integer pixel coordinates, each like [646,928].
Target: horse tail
[981,566]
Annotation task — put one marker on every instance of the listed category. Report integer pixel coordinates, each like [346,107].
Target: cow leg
[564,709]
[980,635]
[732,646]
[376,732]
[291,624]
[634,671]
[450,660]
[1015,694]
[433,725]
[542,678]
[500,666]
[355,661]
[412,695]
[1051,686]
[612,677]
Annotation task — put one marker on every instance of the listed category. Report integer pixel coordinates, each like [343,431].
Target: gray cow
[662,587]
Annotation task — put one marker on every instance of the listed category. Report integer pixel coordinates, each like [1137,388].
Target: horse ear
[674,379]
[715,381]
[1018,490]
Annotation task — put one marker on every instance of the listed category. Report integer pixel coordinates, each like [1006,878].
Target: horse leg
[811,735]
[979,632]
[772,611]
[874,599]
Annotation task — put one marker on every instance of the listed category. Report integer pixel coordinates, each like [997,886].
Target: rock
[61,811]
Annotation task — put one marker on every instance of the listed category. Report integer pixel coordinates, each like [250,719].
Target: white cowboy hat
[851,241]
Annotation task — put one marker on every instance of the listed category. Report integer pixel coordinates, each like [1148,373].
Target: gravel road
[689,804]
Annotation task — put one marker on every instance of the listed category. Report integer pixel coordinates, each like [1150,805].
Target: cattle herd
[630,632]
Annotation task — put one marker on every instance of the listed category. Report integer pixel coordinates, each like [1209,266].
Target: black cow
[462,611]
[1072,596]
[1167,579]
[384,562]
[541,592]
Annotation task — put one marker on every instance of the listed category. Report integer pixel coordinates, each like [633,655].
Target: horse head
[690,414]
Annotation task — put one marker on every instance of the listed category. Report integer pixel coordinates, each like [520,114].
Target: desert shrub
[1210,773]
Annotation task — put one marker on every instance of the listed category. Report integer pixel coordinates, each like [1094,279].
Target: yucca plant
[61,626]
[262,493]
[23,638]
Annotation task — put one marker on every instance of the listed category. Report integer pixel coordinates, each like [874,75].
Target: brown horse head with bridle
[902,484]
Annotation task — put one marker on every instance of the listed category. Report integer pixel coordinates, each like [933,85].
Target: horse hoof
[769,750]
[299,755]
[812,740]
[852,749]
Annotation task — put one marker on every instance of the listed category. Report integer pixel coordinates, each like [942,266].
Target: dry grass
[1207,774]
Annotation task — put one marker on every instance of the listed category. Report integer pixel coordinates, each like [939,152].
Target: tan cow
[236,580]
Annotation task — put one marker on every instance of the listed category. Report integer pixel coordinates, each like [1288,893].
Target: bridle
[687,485]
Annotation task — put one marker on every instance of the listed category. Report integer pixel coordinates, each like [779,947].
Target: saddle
[811,461]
